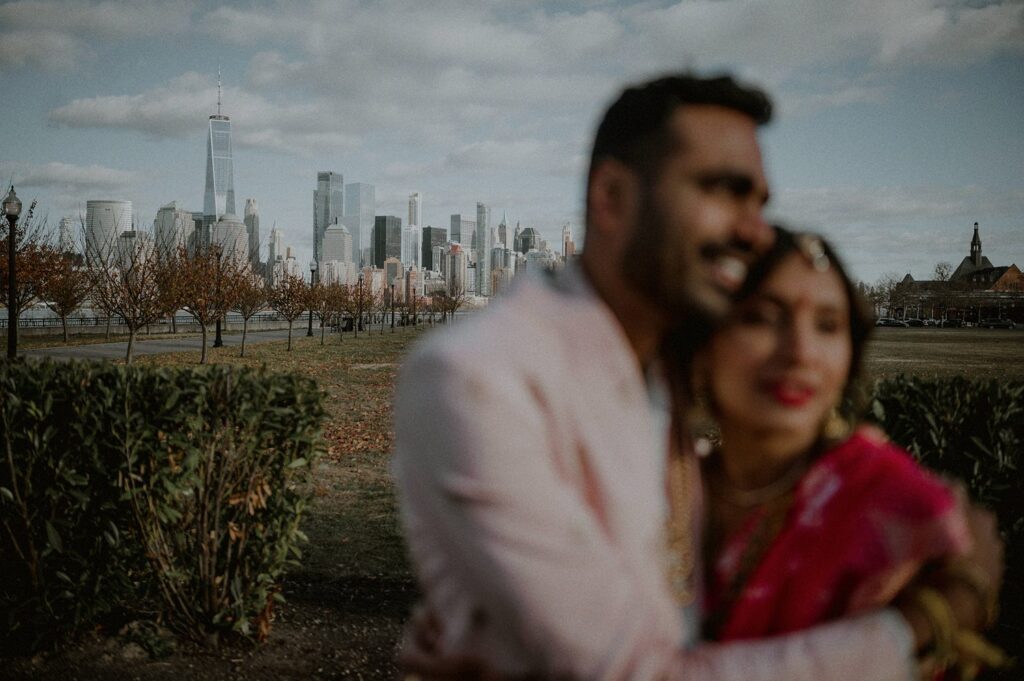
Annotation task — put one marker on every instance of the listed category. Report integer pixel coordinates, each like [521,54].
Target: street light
[218,342]
[312,284]
[12,209]
[359,320]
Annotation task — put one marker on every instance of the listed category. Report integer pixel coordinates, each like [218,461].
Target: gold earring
[835,427]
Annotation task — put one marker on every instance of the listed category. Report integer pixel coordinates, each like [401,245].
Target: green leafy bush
[973,431]
[187,484]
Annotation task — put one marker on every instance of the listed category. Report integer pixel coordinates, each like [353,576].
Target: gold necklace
[749,498]
[680,557]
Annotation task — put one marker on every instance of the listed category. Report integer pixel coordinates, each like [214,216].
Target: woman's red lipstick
[789,395]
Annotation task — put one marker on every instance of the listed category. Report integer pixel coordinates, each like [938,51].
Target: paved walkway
[157,346]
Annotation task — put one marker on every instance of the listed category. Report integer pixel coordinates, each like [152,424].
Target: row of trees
[886,293]
[142,285]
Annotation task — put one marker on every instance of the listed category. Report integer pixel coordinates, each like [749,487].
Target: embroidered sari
[862,520]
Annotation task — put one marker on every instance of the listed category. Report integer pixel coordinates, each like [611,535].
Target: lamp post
[218,342]
[359,318]
[312,284]
[12,209]
[392,307]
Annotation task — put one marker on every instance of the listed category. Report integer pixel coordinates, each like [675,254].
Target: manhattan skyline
[897,123]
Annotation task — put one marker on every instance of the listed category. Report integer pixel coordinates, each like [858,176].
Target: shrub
[65,551]
[973,431]
[118,481]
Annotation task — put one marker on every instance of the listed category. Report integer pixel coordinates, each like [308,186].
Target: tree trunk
[245,326]
[323,330]
[107,336]
[202,355]
[289,335]
[64,323]
[174,324]
[131,341]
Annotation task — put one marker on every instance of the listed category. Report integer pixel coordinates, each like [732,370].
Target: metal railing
[184,320]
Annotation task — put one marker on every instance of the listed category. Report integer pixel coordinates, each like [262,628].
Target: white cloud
[181,108]
[881,229]
[44,50]
[65,176]
[61,35]
[106,20]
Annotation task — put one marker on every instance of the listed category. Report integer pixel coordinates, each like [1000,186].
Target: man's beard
[657,263]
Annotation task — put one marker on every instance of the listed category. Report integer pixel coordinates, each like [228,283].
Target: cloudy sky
[899,121]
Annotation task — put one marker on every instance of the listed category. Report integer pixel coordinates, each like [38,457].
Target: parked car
[931,322]
[914,322]
[951,324]
[995,323]
[889,321]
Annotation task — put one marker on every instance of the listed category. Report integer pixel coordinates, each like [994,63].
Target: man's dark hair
[635,128]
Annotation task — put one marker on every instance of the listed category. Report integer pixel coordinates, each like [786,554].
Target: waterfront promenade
[116,350]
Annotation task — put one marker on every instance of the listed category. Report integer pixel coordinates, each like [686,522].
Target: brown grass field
[347,603]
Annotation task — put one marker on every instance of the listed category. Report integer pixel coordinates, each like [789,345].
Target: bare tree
[290,298]
[943,271]
[887,290]
[250,298]
[126,283]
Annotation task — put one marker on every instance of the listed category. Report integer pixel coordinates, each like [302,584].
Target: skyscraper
[275,253]
[462,231]
[411,244]
[252,228]
[503,231]
[432,238]
[219,198]
[387,239]
[66,236]
[337,244]
[416,209]
[568,245]
[104,223]
[360,211]
[328,207]
[229,235]
[483,250]
[172,229]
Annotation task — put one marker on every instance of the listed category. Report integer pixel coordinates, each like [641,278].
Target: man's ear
[612,196]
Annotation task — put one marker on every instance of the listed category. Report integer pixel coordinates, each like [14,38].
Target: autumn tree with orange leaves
[289,296]
[250,298]
[66,286]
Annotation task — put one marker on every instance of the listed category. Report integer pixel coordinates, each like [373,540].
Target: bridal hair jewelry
[813,249]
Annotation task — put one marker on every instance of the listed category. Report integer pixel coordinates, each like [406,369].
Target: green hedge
[126,487]
[973,431]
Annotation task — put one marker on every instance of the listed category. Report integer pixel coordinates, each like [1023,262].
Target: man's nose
[753,230]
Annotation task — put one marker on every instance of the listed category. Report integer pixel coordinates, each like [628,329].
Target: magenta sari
[864,518]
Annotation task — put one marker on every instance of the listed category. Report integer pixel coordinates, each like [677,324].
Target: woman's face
[782,360]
